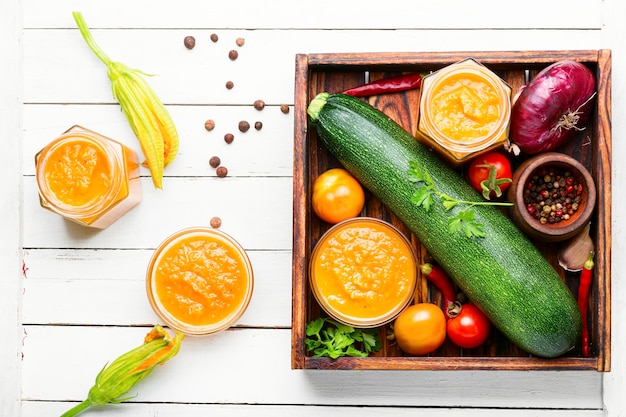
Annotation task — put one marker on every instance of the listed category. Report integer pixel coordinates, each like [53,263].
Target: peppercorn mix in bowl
[554,197]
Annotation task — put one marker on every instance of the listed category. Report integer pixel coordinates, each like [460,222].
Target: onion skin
[563,89]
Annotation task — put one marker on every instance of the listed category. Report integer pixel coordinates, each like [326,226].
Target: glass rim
[178,324]
[114,164]
[360,322]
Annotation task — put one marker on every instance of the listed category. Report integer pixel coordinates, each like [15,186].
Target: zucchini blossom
[146,114]
[117,378]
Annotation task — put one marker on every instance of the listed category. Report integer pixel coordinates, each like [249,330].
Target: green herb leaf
[355,353]
[326,337]
[423,197]
[371,341]
[463,221]
[415,172]
[314,327]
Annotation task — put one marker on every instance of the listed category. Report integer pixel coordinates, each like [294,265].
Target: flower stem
[79,408]
[472,203]
[84,30]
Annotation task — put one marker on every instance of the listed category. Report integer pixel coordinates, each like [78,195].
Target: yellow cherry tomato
[420,329]
[337,196]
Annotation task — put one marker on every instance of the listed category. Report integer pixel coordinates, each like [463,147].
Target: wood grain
[335,72]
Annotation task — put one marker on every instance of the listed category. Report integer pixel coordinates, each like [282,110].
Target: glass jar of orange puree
[464,111]
[199,281]
[363,272]
[88,178]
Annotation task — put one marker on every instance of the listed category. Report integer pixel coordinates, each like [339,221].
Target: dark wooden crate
[335,72]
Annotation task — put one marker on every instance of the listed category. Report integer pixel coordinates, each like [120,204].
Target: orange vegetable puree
[364,270]
[78,172]
[201,279]
[465,107]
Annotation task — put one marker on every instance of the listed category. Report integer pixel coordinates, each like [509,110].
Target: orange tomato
[420,329]
[337,196]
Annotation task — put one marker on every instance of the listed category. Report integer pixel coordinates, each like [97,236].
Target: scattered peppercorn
[215,161]
[258,125]
[552,195]
[222,171]
[230,85]
[244,126]
[284,108]
[233,54]
[229,137]
[216,222]
[259,104]
[209,125]
[214,37]
[240,41]
[189,42]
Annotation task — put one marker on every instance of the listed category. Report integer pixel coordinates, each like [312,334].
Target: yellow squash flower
[146,114]
[117,378]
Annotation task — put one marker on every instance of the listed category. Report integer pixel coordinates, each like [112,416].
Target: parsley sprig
[326,337]
[424,196]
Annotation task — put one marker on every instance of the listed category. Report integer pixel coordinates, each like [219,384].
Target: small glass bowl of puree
[363,272]
[199,281]
[88,178]
[465,110]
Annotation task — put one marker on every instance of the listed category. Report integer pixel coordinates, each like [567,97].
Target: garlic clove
[573,255]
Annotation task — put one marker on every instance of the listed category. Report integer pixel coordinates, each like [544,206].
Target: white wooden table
[72,299]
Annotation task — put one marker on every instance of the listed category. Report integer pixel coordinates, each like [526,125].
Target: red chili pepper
[387,85]
[439,279]
[583,299]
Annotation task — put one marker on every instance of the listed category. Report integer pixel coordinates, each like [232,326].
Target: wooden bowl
[551,232]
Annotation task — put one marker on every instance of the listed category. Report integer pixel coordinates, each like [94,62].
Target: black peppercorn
[244,126]
[189,42]
[209,125]
[222,171]
[215,161]
[259,104]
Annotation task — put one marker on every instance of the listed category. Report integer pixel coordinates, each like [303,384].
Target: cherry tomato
[337,196]
[469,328]
[420,329]
[480,178]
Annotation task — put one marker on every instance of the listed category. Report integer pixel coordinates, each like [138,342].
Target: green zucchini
[503,272]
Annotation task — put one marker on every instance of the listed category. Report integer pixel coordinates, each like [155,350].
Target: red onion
[552,107]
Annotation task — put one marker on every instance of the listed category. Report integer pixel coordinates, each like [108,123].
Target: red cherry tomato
[490,174]
[469,328]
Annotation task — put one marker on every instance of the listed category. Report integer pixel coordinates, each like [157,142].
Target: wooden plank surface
[10,218]
[37,409]
[64,84]
[236,366]
[324,14]
[264,68]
